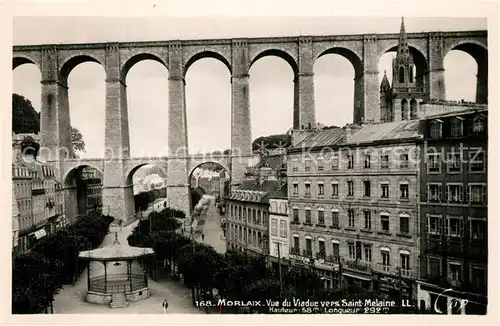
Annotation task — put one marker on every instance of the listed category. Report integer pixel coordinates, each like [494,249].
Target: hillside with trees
[26,120]
[272,142]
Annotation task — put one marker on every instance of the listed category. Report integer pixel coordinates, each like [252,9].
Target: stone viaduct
[56,61]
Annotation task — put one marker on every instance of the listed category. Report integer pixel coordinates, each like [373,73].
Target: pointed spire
[385,85]
[403,56]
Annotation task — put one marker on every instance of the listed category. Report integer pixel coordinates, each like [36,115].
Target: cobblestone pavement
[71,299]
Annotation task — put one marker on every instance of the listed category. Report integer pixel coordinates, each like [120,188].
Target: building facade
[454,209]
[354,205]
[279,224]
[90,185]
[247,213]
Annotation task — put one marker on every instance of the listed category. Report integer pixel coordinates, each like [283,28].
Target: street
[212,229]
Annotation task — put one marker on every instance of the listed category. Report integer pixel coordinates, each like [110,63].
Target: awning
[40,233]
[357,276]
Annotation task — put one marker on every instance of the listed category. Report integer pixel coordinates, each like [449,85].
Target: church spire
[403,56]
[385,85]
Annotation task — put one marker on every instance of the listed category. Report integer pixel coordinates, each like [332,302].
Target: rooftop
[116,252]
[385,131]
[457,113]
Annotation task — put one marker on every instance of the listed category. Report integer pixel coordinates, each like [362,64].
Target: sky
[208,88]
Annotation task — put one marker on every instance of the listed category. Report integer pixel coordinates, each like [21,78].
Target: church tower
[401,100]
[405,92]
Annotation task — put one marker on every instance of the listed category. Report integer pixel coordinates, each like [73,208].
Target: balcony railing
[307,253]
[295,251]
[357,266]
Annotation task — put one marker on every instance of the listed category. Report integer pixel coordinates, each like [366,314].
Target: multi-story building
[38,197]
[90,186]
[354,194]
[401,100]
[15,219]
[247,222]
[279,224]
[454,209]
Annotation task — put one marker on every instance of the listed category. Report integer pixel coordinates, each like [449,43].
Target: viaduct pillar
[371,89]
[117,195]
[435,78]
[241,141]
[482,79]
[177,172]
[55,120]
[359,102]
[304,106]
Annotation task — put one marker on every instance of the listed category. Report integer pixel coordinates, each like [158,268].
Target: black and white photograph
[286,165]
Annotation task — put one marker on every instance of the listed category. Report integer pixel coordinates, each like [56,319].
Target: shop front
[357,274]
[329,273]
[393,287]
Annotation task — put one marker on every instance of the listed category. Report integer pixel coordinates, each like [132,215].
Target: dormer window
[478,124]
[456,128]
[436,129]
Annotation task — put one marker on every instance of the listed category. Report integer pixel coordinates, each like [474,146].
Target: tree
[272,142]
[26,120]
[78,145]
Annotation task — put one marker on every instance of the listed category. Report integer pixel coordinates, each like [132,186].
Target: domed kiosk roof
[115,252]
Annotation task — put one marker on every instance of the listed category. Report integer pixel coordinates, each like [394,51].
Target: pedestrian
[202,237]
[165,305]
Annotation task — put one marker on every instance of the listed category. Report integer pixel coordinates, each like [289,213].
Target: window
[404,224]
[295,215]
[433,163]
[434,224]
[321,189]
[385,190]
[307,164]
[476,160]
[477,194]
[477,277]
[436,129]
[413,108]
[454,162]
[321,246]
[403,160]
[335,219]
[366,185]
[403,191]
[367,161]
[335,249]
[350,188]
[308,189]
[320,163]
[283,229]
[401,74]
[456,129]
[434,267]
[321,217]
[385,258]
[455,193]
[335,162]
[352,250]
[384,161]
[404,109]
[308,216]
[384,222]
[477,229]
[295,167]
[350,161]
[335,189]
[455,273]
[308,246]
[296,243]
[368,220]
[367,253]
[350,216]
[295,189]
[405,261]
[274,227]
[478,125]
[434,192]
[454,226]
